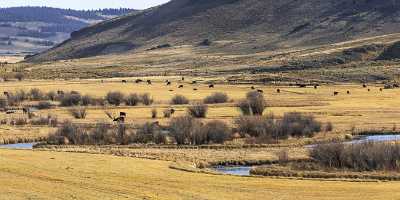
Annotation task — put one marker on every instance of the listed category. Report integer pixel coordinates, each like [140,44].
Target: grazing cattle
[369,90]
[335,93]
[278,90]
[396,85]
[183,78]
[124,81]
[315,86]
[260,91]
[171,90]
[194,82]
[380,89]
[172,111]
[364,86]
[138,80]
[6,94]
[122,114]
[10,112]
[60,92]
[149,82]
[168,83]
[348,92]
[302,85]
[211,86]
[195,89]
[253,88]
[180,86]
[25,110]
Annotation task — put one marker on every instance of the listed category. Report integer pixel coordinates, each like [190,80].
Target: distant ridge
[33,29]
[243,26]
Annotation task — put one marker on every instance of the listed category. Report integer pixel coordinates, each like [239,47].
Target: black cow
[348,92]
[260,91]
[122,114]
[149,82]
[195,89]
[180,86]
[253,88]
[211,86]
[278,90]
[124,81]
[138,80]
[168,83]
[335,93]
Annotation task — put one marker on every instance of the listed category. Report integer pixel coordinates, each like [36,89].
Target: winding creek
[18,146]
[245,170]
[239,170]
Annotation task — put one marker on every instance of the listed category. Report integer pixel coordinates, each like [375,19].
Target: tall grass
[360,156]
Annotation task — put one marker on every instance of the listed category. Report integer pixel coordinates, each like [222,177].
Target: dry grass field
[361,109]
[50,175]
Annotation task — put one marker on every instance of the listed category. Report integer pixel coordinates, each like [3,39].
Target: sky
[84,4]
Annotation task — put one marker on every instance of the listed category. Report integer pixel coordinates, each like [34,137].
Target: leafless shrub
[297,125]
[198,110]
[36,94]
[179,100]
[51,96]
[69,133]
[217,97]
[3,102]
[182,129]
[18,122]
[41,121]
[115,98]
[216,132]
[359,156]
[71,99]
[149,133]
[283,155]
[147,99]
[254,104]
[43,105]
[267,129]
[19,76]
[88,100]
[132,100]
[78,112]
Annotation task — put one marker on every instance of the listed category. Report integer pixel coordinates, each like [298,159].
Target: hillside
[34,29]
[235,26]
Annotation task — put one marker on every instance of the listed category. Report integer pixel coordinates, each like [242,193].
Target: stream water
[18,146]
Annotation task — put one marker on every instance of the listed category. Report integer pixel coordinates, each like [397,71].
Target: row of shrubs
[73,98]
[269,128]
[181,130]
[36,121]
[368,156]
[214,98]
[189,130]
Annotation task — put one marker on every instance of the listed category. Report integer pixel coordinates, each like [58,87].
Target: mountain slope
[33,29]
[240,26]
